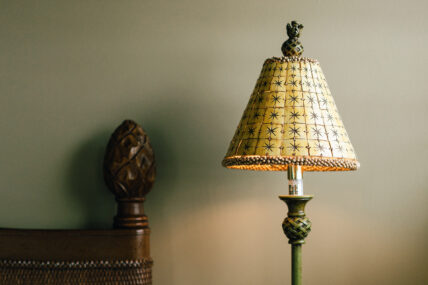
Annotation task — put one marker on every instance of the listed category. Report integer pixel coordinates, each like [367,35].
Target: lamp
[291,124]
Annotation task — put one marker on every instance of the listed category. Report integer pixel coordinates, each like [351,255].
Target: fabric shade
[291,118]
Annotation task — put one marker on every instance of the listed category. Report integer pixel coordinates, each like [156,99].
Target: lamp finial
[292,46]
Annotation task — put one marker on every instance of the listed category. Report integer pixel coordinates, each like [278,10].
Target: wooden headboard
[116,256]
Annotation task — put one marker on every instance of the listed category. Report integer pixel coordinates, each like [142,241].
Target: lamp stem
[296,226]
[295,180]
[296,264]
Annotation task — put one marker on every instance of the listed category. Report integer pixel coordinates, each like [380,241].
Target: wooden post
[130,214]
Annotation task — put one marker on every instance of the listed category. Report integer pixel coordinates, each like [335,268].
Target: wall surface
[71,71]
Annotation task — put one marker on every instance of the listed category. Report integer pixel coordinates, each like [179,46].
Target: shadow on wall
[181,131]
[181,146]
[86,183]
[188,143]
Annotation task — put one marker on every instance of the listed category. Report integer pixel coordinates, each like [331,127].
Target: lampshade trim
[280,163]
[291,59]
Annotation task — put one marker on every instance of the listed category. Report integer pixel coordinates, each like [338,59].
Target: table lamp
[291,124]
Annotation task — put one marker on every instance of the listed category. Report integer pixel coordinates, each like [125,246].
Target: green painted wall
[71,71]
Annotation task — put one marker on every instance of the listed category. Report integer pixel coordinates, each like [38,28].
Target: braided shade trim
[291,59]
[270,163]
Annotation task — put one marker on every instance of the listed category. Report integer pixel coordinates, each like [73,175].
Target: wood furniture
[117,256]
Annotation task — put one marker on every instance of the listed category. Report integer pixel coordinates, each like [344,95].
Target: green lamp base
[296,227]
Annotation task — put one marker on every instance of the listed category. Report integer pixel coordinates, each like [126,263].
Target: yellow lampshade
[291,118]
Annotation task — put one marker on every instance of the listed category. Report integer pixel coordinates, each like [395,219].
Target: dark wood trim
[74,245]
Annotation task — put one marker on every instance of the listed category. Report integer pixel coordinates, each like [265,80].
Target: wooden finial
[292,46]
[129,172]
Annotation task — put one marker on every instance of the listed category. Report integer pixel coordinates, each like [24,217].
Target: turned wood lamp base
[296,226]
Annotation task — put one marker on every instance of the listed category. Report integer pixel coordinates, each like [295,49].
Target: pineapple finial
[292,46]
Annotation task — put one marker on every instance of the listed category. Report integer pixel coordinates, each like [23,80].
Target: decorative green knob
[296,226]
[292,46]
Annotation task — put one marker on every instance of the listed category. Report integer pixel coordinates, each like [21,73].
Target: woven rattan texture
[291,117]
[88,272]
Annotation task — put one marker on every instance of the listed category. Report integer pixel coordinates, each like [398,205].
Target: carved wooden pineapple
[129,172]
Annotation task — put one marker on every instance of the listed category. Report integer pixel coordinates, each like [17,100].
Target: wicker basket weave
[88,272]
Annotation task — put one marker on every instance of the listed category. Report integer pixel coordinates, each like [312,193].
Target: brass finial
[292,46]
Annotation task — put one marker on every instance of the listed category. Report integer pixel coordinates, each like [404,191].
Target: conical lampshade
[291,118]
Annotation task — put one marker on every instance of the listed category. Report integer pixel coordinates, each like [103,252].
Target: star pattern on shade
[324,101]
[314,115]
[317,131]
[273,115]
[293,83]
[294,146]
[294,131]
[296,120]
[246,146]
[275,98]
[268,146]
[294,115]
[271,130]
[320,147]
[293,98]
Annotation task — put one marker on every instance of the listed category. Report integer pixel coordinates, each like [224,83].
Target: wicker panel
[87,272]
